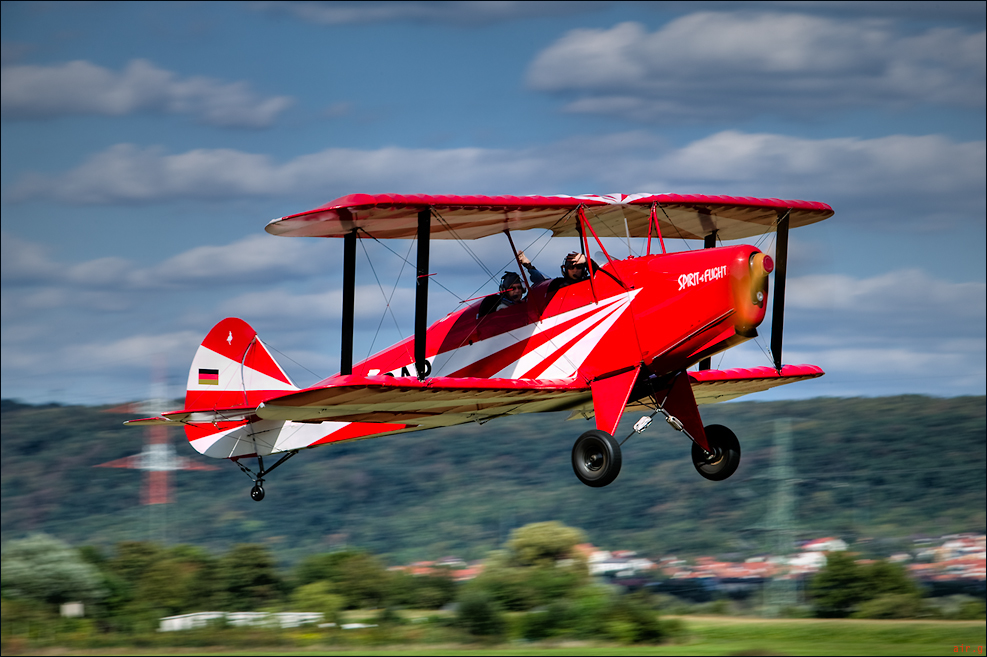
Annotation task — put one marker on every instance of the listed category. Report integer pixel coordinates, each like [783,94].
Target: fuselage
[665,311]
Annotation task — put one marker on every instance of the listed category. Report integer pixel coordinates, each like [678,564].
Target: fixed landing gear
[257,492]
[596,458]
[596,455]
[724,455]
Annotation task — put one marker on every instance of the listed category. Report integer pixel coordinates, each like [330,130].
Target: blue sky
[146,145]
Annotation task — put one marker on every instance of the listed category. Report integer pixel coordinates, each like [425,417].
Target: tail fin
[231,374]
[234,369]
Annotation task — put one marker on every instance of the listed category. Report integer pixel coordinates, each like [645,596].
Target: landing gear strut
[596,458]
[257,492]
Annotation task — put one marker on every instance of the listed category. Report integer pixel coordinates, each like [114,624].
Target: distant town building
[238,619]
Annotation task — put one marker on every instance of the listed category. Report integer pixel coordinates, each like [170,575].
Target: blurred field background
[696,636]
[882,470]
[346,529]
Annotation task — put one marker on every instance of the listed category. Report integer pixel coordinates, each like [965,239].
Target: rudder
[234,369]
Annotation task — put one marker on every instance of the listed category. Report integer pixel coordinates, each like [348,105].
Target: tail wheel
[725,456]
[596,458]
[257,493]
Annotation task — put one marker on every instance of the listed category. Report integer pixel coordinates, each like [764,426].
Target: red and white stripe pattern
[247,376]
[553,348]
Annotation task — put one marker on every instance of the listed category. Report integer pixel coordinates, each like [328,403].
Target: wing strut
[517,259]
[349,286]
[778,311]
[421,292]
[654,220]
[709,242]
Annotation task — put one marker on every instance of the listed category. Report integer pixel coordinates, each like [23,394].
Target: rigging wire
[492,277]
[613,233]
[451,352]
[769,234]
[281,353]
[766,352]
[531,244]
[387,299]
[408,262]
[678,231]
[462,243]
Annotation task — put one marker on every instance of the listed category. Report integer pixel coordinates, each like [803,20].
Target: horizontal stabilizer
[710,386]
[198,416]
[435,402]
[149,421]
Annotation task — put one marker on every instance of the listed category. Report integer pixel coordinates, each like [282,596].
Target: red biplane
[621,339]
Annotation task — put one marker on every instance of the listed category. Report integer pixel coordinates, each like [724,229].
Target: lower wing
[710,386]
[440,401]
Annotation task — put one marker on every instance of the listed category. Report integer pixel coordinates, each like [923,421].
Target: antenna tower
[158,459]
[781,591]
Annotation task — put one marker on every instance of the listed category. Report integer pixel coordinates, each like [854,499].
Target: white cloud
[103,356]
[456,13]
[132,350]
[924,174]
[908,293]
[288,306]
[913,362]
[251,260]
[23,261]
[878,169]
[710,65]
[81,87]
[127,174]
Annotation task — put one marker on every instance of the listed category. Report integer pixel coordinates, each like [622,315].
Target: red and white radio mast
[158,459]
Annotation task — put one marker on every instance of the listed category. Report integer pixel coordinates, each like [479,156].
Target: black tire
[596,458]
[257,493]
[726,453]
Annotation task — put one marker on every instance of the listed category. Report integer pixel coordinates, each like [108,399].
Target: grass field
[710,635]
[725,636]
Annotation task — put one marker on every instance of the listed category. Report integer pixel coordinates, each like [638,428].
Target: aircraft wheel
[596,458]
[726,453]
[257,493]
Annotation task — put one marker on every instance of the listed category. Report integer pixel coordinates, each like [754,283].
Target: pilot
[574,270]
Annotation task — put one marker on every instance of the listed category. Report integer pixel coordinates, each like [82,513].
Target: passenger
[535,275]
[511,288]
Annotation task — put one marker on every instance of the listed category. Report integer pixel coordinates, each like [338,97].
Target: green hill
[881,468]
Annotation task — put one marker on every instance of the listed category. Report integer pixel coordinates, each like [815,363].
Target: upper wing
[711,386]
[440,401]
[688,216]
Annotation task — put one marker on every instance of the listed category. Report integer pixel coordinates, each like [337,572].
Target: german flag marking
[208,377]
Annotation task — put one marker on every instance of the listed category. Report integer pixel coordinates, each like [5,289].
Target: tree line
[129,590]
[537,586]
[879,468]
